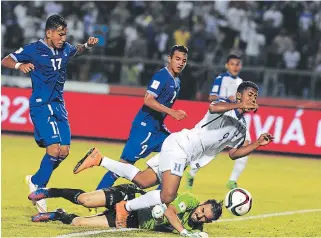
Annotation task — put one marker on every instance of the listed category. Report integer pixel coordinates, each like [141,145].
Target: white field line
[276,214]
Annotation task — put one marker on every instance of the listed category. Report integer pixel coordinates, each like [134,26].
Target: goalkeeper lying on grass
[185,210]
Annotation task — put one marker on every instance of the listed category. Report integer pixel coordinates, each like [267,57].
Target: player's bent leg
[43,175]
[53,150]
[58,215]
[66,193]
[110,178]
[146,179]
[64,152]
[92,199]
[170,185]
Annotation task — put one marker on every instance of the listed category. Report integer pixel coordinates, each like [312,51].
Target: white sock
[149,199]
[193,172]
[127,171]
[239,166]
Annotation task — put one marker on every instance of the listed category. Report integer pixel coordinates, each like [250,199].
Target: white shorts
[171,157]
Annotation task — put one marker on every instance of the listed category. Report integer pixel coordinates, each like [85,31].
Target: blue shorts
[51,125]
[141,142]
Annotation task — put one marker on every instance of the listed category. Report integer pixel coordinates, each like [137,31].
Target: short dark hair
[216,208]
[233,56]
[179,48]
[55,21]
[245,85]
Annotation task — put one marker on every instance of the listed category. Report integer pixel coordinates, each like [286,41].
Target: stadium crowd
[265,33]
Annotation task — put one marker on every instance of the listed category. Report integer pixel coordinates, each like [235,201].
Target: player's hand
[186,233]
[249,106]
[26,68]
[92,41]
[178,114]
[265,139]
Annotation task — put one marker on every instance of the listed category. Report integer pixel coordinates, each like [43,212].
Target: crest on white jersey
[155,84]
[19,50]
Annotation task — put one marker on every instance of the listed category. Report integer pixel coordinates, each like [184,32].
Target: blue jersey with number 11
[165,88]
[50,72]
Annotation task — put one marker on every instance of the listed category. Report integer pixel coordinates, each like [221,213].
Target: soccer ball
[158,211]
[238,201]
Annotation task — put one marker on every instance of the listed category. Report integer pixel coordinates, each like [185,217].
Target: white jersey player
[225,86]
[222,126]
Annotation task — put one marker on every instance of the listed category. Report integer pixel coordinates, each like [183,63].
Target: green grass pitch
[277,184]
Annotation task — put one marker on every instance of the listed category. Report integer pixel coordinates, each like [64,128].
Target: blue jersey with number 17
[50,72]
[165,88]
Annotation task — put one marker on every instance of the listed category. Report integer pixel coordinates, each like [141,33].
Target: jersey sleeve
[24,54]
[156,85]
[221,100]
[71,49]
[185,201]
[240,143]
[216,86]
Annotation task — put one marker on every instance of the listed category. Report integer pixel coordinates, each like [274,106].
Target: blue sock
[159,187]
[108,180]
[42,176]
[59,160]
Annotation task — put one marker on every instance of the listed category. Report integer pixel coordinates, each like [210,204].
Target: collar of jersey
[239,115]
[54,52]
[234,77]
[171,75]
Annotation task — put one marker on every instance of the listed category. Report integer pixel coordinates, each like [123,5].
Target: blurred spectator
[182,36]
[274,15]
[291,58]
[282,43]
[161,40]
[255,44]
[52,7]
[262,30]
[130,33]
[120,12]
[184,9]
[75,28]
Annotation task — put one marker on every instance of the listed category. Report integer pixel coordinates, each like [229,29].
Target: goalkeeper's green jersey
[184,204]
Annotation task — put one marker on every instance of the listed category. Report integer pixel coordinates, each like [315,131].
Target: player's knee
[78,221]
[140,181]
[64,151]
[84,200]
[53,150]
[141,185]
[168,197]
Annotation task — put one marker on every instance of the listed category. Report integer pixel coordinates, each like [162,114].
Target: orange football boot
[91,159]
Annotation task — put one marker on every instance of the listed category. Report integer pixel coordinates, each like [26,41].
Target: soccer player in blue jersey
[148,131]
[46,62]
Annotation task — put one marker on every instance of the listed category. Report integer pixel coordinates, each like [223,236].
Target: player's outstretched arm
[246,149]
[151,102]
[221,107]
[10,63]
[171,215]
[83,48]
